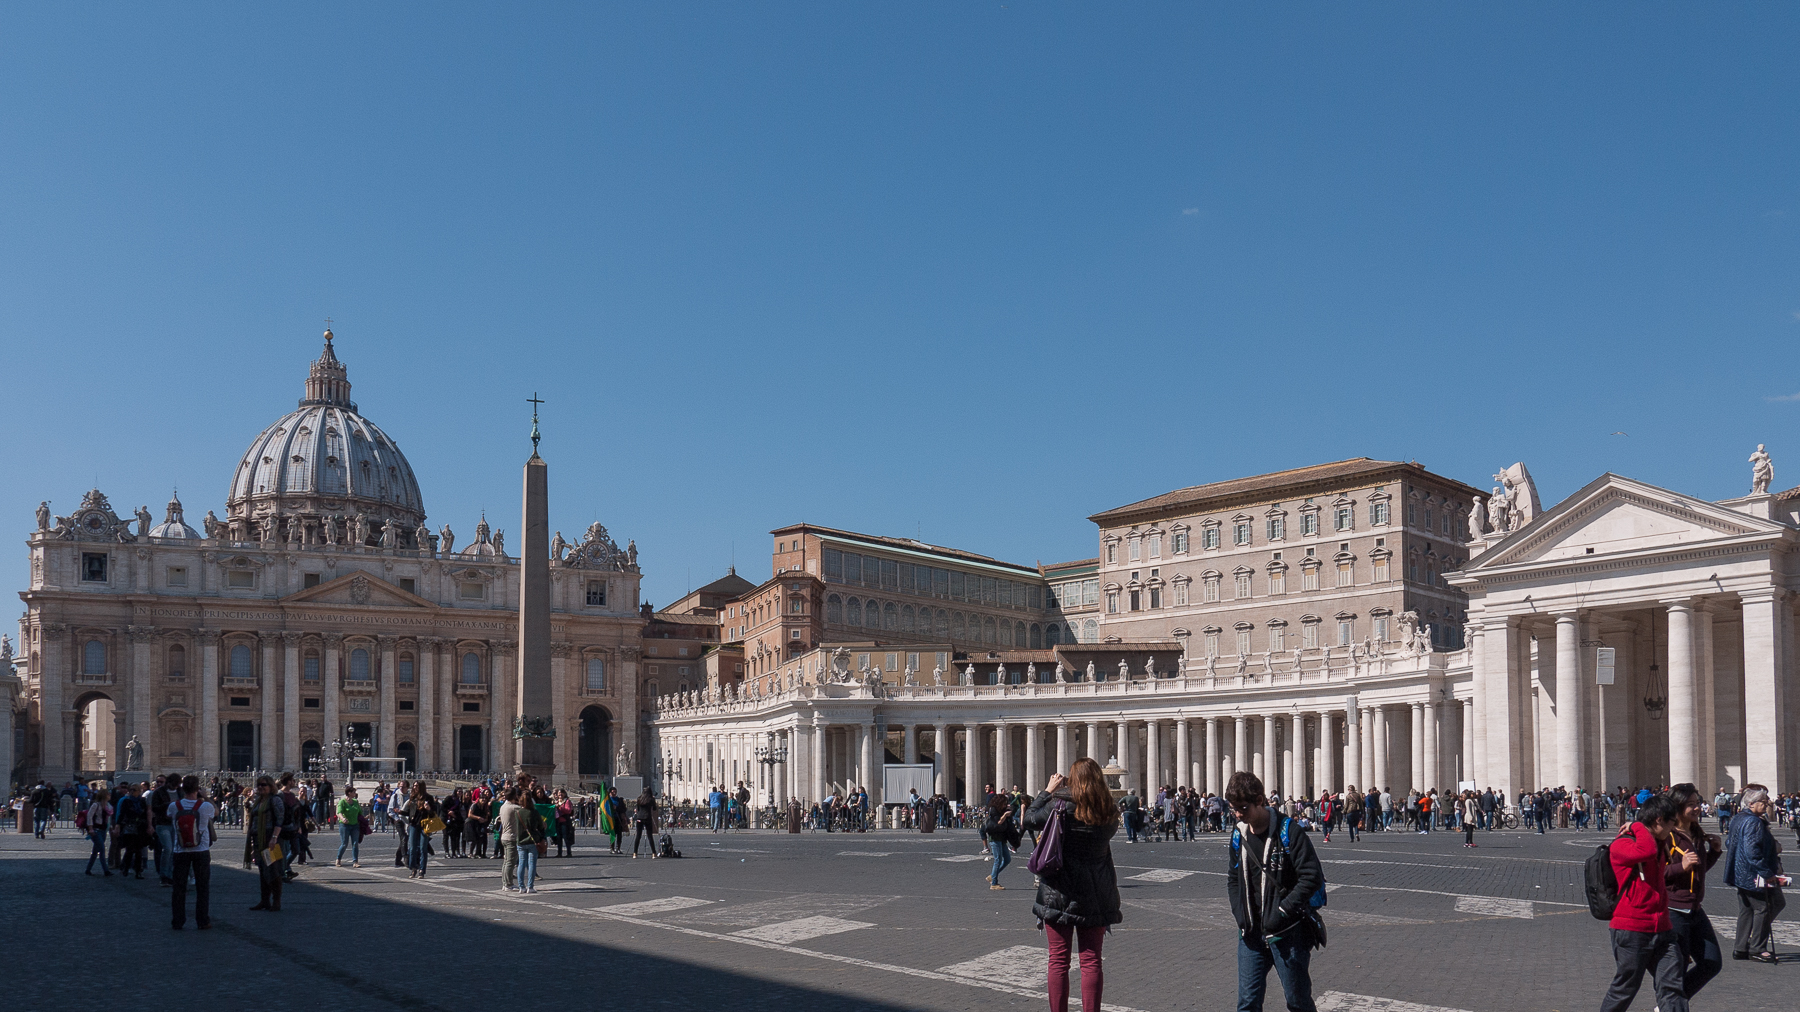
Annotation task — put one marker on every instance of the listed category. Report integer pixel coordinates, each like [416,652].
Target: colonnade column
[1384,770]
[290,701]
[1474,736]
[1064,756]
[1468,741]
[1094,751]
[940,757]
[268,734]
[431,750]
[1434,766]
[1034,758]
[910,753]
[818,754]
[1328,777]
[1271,756]
[1240,751]
[1683,765]
[1569,737]
[386,745]
[1184,756]
[1003,758]
[1765,671]
[209,700]
[141,698]
[1209,782]
[1706,712]
[1122,751]
[328,679]
[1296,785]
[972,765]
[1418,746]
[1153,777]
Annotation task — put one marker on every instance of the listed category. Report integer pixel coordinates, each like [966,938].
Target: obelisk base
[536,756]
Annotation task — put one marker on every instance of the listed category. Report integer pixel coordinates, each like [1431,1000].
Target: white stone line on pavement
[865,853]
[662,906]
[1162,875]
[1494,906]
[1333,886]
[1780,933]
[868,964]
[965,857]
[802,929]
[1399,864]
[1019,965]
[1339,1001]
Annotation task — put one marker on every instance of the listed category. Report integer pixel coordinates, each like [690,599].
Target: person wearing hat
[1753,868]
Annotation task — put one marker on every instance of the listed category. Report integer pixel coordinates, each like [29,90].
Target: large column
[910,749]
[1240,746]
[1468,743]
[1297,786]
[1500,725]
[1064,754]
[1765,761]
[1034,759]
[1004,773]
[1434,753]
[1475,736]
[567,744]
[140,694]
[1418,770]
[386,743]
[1153,772]
[1094,751]
[1328,753]
[535,753]
[1707,716]
[1352,773]
[1210,781]
[973,745]
[269,736]
[1184,755]
[290,701]
[208,758]
[1121,750]
[1384,770]
[1271,756]
[1683,755]
[941,756]
[1570,727]
[328,678]
[871,768]
[502,705]
[55,762]
[816,751]
[431,750]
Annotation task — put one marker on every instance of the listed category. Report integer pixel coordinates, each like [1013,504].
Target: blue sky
[969,272]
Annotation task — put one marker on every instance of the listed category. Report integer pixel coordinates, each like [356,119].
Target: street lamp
[343,750]
[771,755]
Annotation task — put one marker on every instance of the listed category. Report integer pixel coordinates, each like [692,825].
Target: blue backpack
[1319,896]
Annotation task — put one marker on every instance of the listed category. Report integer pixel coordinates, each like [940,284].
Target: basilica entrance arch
[96,746]
[595,759]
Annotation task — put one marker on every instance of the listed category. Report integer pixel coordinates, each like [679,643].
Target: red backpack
[188,832]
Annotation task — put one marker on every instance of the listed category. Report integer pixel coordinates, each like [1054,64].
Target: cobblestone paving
[827,921]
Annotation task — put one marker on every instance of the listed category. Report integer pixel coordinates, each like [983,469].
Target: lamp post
[343,750]
[770,756]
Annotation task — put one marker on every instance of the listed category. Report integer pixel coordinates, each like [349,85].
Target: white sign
[1603,665]
[899,779]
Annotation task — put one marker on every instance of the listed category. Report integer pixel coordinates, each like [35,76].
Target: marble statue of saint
[390,535]
[43,515]
[1497,511]
[557,547]
[446,539]
[143,519]
[1031,673]
[500,543]
[969,675]
[5,650]
[1268,662]
[1296,658]
[1092,674]
[631,552]
[296,532]
[937,675]
[1000,675]
[1150,666]
[1062,673]
[1762,471]
[623,762]
[360,531]
[268,532]
[211,524]
[910,676]
[1212,665]
[134,754]
[422,537]
[1124,671]
[1425,638]
[1477,518]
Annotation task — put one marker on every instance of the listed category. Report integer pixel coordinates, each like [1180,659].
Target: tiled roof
[731,585]
[1336,472]
[682,618]
[906,544]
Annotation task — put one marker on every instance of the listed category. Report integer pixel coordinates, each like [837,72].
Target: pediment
[1614,515]
[358,590]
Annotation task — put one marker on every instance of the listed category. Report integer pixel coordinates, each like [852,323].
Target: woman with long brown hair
[1079,901]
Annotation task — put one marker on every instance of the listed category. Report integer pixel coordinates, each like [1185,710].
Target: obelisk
[534,733]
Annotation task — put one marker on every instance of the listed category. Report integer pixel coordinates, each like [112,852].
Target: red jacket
[1637,862]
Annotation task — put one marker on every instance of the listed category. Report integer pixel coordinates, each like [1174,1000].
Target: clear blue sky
[965,271]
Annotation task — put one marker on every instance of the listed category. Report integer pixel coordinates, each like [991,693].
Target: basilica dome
[325,462]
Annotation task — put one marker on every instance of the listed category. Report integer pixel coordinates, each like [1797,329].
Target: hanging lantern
[1656,698]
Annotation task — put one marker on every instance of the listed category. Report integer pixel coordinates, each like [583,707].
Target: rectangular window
[178,576]
[1090,592]
[1309,635]
[1134,601]
[93,567]
[1378,513]
[1181,542]
[1381,570]
[1243,641]
[906,578]
[1444,525]
[1136,549]
[890,575]
[852,567]
[1112,554]
[310,703]
[1278,582]
[1277,528]
[1155,598]
[1240,532]
[1156,546]
[990,590]
[405,668]
[1212,644]
[1346,629]
[1309,525]
[1429,518]
[312,669]
[834,565]
[240,578]
[596,593]
[1309,578]
[1381,628]
[596,674]
[407,584]
[956,586]
[471,708]
[470,590]
[1243,585]
[940,582]
[1346,574]
[1345,518]
[1181,595]
[1112,602]
[1278,638]
[1412,514]
[1209,538]
[1412,571]
[1210,590]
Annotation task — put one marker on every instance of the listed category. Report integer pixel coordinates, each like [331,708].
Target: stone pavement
[823,921]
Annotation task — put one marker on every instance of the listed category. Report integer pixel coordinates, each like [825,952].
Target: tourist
[1387,809]
[1690,854]
[1077,903]
[1272,878]
[1352,811]
[1325,814]
[349,816]
[418,811]
[1471,813]
[97,822]
[565,824]
[644,819]
[477,821]
[263,830]
[612,820]
[43,808]
[1753,869]
[132,817]
[1128,812]
[1002,834]
[1643,939]
[192,818]
[511,833]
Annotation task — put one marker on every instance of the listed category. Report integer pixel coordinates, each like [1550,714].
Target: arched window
[855,617]
[1037,636]
[890,616]
[359,665]
[906,619]
[240,662]
[1090,631]
[834,610]
[93,658]
[943,623]
[872,615]
[956,626]
[471,669]
[405,667]
[1052,633]
[177,661]
[988,634]
[596,674]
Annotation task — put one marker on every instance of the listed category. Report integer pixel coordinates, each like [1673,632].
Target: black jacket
[1291,877]
[1085,891]
[996,829]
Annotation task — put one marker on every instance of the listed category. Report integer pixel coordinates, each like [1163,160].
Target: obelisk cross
[534,402]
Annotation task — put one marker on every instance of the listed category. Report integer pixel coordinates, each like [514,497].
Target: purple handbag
[1047,856]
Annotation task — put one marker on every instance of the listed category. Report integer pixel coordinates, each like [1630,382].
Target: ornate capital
[208,637]
[387,642]
[292,638]
[630,653]
[53,628]
[562,649]
[333,639]
[506,646]
[141,633]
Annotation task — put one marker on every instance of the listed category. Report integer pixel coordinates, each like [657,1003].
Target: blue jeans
[99,853]
[1290,959]
[416,858]
[165,852]
[718,819]
[40,820]
[349,837]
[528,856]
[1002,858]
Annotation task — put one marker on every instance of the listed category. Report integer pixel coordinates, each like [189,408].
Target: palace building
[321,607]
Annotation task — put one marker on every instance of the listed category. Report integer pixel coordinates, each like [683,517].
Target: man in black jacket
[1272,877]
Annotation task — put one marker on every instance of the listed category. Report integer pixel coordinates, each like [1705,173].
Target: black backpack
[668,846]
[1600,883]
